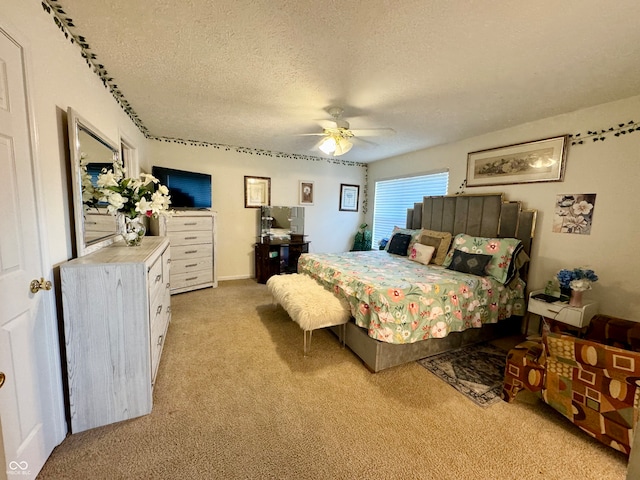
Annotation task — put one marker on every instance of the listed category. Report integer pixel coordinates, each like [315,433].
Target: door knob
[2,379]
[36,285]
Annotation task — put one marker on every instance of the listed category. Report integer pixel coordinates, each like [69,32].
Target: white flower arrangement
[580,285]
[130,196]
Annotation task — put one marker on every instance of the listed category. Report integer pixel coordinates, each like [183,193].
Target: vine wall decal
[601,135]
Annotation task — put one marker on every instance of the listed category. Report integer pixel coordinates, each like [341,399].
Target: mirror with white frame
[91,151]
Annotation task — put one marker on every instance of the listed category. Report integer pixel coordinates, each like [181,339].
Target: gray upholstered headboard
[482,215]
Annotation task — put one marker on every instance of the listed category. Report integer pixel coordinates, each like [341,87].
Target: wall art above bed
[538,161]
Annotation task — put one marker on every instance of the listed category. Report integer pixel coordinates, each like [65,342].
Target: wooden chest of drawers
[192,235]
[116,307]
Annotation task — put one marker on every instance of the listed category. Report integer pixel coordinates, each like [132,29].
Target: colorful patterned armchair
[594,382]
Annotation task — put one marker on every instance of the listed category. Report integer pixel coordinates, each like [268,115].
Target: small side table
[576,317]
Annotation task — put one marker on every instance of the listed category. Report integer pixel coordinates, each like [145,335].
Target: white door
[31,408]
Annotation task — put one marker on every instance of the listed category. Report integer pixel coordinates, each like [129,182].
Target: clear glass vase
[132,230]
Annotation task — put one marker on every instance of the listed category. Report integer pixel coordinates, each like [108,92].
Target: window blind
[393,197]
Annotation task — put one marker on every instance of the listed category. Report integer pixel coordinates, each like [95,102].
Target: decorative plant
[578,279]
[131,196]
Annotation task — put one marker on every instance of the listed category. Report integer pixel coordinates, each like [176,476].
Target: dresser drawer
[562,312]
[191,278]
[159,323]
[178,224]
[158,308]
[191,265]
[100,222]
[184,252]
[190,238]
[156,279]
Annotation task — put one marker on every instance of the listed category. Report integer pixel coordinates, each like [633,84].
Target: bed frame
[483,215]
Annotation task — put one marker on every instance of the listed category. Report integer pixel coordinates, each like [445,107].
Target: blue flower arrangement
[578,278]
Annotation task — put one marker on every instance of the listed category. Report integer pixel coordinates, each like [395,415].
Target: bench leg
[307,346]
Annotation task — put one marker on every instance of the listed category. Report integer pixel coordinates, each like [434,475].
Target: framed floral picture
[257,191]
[306,192]
[349,197]
[538,161]
[574,213]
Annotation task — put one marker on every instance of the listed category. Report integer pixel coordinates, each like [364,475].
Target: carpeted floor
[236,399]
[475,371]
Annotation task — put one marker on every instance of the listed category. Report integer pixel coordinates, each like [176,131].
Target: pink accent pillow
[421,253]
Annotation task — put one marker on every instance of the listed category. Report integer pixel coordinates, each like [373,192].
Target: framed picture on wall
[538,161]
[257,191]
[306,192]
[349,197]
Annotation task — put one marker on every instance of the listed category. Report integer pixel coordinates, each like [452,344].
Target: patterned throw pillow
[473,263]
[421,253]
[502,251]
[399,244]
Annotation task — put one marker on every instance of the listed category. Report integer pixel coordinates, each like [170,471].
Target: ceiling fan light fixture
[342,147]
[328,145]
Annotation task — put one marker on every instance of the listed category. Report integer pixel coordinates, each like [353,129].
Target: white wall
[611,169]
[59,78]
[328,229]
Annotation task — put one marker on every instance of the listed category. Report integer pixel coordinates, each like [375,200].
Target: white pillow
[421,253]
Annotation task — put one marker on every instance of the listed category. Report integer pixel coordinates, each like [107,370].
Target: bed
[404,310]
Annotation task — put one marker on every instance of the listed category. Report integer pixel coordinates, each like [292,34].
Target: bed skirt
[378,355]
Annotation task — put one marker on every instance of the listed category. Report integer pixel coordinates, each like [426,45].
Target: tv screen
[187,189]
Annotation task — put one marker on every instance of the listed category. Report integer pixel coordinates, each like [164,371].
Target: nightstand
[576,317]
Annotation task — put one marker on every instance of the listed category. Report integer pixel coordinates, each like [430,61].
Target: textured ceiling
[257,73]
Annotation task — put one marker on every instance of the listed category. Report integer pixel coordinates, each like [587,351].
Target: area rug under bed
[475,371]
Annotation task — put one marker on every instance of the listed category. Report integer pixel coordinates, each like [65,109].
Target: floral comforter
[401,301]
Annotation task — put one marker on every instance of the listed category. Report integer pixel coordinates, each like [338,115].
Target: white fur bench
[309,304]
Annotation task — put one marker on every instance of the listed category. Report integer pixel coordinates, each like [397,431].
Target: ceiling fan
[338,139]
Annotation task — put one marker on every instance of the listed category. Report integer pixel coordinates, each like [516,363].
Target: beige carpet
[235,398]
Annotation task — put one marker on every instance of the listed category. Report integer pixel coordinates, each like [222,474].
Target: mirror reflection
[278,223]
[91,152]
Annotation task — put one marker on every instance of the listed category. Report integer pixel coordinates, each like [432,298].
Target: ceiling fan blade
[363,142]
[320,134]
[374,132]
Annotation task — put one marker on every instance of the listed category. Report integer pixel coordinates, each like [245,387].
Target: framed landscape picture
[538,161]
[349,197]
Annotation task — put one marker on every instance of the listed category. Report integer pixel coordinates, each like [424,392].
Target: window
[394,197]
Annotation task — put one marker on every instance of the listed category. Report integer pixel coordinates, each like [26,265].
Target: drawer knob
[159,309]
[160,340]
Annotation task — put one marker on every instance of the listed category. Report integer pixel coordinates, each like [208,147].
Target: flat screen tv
[187,189]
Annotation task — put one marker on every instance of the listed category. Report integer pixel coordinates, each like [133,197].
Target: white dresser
[116,307]
[193,248]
